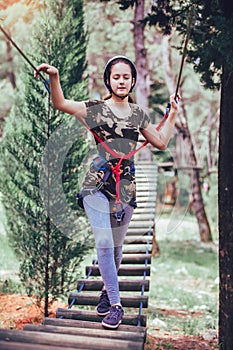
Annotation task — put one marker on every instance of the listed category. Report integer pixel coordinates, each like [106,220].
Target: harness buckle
[119,213]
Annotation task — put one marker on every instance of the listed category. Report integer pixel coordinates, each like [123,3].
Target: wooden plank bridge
[78,326]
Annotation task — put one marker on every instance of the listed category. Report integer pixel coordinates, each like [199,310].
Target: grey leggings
[109,238]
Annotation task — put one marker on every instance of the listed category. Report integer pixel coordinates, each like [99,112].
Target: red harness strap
[116,169]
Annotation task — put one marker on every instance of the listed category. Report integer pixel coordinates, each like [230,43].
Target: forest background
[111,35]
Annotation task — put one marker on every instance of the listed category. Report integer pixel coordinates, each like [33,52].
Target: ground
[179,343]
[18,310]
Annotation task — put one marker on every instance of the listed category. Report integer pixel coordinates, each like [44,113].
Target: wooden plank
[139,248]
[145,193]
[124,285]
[149,205]
[141,224]
[6,345]
[123,271]
[139,231]
[138,239]
[144,179]
[143,216]
[145,169]
[136,259]
[140,210]
[74,341]
[133,259]
[97,333]
[140,180]
[89,324]
[145,182]
[145,200]
[91,299]
[145,176]
[88,315]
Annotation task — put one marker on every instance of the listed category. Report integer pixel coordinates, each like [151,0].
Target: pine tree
[42,153]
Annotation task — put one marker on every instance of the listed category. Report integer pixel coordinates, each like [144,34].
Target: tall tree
[225,188]
[41,153]
[212,55]
[143,86]
[185,152]
[140,51]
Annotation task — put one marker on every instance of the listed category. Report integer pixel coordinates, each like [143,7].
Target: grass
[184,284]
[9,265]
[8,262]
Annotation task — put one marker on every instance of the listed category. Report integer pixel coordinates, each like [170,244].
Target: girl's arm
[78,109]
[161,138]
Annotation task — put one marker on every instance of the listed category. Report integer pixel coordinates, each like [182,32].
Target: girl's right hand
[46,68]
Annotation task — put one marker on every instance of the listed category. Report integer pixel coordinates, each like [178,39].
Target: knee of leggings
[104,243]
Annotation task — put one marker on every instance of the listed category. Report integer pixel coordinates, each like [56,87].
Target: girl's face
[121,79]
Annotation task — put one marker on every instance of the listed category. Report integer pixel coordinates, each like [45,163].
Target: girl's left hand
[174,102]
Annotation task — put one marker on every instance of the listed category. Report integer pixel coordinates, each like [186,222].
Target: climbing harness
[118,210]
[116,169]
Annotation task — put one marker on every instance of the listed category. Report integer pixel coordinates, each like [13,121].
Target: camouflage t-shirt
[121,136]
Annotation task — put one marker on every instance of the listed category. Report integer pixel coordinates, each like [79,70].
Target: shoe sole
[102,313]
[111,326]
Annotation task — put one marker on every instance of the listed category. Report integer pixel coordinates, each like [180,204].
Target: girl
[109,190]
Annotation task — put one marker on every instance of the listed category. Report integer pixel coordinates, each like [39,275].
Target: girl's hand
[46,68]
[174,102]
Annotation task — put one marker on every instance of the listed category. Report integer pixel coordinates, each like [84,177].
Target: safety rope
[143,286]
[190,20]
[45,81]
[81,286]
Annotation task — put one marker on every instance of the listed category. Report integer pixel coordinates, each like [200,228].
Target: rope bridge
[78,326]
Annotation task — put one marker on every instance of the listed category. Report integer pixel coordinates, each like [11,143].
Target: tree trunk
[189,161]
[198,207]
[186,157]
[142,86]
[225,188]
[46,299]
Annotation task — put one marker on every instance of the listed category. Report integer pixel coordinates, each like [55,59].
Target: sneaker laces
[115,312]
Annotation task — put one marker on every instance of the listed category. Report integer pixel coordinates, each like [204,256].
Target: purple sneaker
[103,307]
[114,318]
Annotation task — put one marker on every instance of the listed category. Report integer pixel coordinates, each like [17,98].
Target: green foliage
[184,284]
[210,37]
[11,286]
[40,154]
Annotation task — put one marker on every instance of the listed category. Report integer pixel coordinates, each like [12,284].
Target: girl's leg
[98,212]
[119,233]
[114,318]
